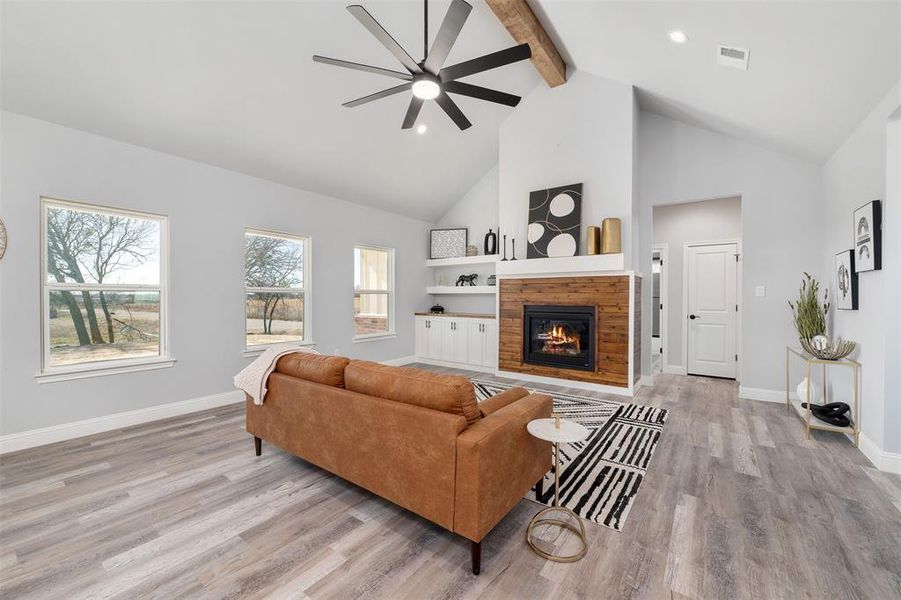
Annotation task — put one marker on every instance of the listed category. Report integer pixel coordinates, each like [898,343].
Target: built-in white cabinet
[467,341]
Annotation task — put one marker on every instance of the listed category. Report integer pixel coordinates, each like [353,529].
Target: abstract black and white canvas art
[555,222]
[845,280]
[868,237]
[448,243]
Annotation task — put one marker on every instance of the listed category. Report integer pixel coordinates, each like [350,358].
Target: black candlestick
[505,247]
[513,240]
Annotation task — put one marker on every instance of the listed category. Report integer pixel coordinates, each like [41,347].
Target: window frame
[164,359]
[306,290]
[390,292]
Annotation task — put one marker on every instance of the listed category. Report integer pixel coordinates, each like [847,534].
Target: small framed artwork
[448,243]
[868,237]
[845,281]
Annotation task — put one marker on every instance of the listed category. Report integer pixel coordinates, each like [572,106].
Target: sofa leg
[257,445]
[475,550]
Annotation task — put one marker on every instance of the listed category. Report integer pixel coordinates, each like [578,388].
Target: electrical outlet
[760,291]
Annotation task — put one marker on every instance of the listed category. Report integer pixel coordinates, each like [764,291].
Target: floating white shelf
[463,260]
[597,263]
[461,289]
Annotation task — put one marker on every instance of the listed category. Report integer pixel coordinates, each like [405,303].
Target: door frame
[738,298]
[663,248]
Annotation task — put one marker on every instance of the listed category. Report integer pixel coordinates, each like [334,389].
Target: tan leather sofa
[416,438]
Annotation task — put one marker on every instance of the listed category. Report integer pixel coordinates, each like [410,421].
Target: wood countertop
[459,315]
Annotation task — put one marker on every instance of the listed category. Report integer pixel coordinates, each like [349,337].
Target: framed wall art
[555,222]
[868,237]
[448,243]
[845,279]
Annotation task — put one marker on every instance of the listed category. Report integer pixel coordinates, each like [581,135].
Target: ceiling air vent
[730,56]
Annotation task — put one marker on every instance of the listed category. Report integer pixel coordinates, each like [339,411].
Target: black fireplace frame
[531,311]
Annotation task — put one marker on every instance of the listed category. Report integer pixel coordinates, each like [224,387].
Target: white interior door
[712,310]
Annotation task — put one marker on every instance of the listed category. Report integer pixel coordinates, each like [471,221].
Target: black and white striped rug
[599,476]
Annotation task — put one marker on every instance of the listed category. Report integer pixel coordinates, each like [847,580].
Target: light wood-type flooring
[736,504]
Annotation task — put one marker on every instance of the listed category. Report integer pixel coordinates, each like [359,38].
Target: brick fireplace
[575,328]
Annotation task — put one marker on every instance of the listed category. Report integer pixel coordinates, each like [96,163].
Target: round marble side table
[557,431]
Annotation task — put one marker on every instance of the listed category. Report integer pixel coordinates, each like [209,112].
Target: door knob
[692,317]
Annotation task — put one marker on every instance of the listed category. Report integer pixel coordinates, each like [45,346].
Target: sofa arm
[499,401]
[498,462]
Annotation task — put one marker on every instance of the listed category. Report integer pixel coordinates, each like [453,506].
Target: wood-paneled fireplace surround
[610,297]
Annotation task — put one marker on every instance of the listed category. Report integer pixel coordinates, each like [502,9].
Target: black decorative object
[505,247]
[490,242]
[438,309]
[463,280]
[845,279]
[448,243]
[492,280]
[513,243]
[431,79]
[555,222]
[868,237]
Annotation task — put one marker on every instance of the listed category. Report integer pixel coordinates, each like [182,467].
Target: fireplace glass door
[560,336]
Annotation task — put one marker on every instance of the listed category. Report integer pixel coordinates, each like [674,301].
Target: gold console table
[805,413]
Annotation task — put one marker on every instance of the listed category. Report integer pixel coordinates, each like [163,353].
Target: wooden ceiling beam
[525,28]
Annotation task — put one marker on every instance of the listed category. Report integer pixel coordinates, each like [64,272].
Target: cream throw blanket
[252,379]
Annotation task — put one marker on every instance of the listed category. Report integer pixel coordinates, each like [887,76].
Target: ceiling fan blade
[453,111]
[359,67]
[486,63]
[378,95]
[475,91]
[412,112]
[450,28]
[384,37]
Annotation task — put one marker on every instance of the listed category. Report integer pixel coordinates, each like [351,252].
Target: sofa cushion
[447,393]
[318,368]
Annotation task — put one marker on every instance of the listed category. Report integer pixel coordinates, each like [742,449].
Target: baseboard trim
[398,362]
[674,369]
[890,462]
[647,380]
[763,394]
[23,440]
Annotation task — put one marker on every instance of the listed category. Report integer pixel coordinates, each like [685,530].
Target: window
[373,292]
[104,287]
[277,288]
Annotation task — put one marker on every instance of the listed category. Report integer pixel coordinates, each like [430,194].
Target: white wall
[854,175]
[477,211]
[208,209]
[578,132]
[782,226]
[674,225]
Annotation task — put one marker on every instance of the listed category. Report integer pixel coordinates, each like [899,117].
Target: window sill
[374,337]
[133,367]
[257,350]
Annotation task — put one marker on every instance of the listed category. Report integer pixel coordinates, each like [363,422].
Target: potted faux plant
[810,322]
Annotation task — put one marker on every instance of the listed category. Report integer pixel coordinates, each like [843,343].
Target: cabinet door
[421,338]
[476,343]
[489,343]
[460,336]
[436,338]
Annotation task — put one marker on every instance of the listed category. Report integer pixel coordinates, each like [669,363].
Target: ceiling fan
[430,79]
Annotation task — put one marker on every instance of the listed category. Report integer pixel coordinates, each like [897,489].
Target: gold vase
[594,240]
[611,236]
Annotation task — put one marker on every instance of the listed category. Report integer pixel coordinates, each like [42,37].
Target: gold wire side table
[557,431]
[806,414]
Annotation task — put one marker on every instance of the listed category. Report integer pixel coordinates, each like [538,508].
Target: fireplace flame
[557,340]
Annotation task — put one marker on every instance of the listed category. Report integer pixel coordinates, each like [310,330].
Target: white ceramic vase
[802,390]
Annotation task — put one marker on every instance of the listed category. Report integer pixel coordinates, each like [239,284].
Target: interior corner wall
[781,225]
[477,211]
[208,210]
[577,132]
[854,175]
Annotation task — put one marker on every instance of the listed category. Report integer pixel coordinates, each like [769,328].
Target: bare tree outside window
[102,284]
[274,288]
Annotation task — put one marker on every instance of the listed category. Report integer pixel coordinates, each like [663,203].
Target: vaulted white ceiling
[232,83]
[816,68]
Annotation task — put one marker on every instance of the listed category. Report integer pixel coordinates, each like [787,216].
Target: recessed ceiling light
[422,128]
[678,37]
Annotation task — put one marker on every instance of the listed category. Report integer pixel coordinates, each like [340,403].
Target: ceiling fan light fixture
[426,89]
